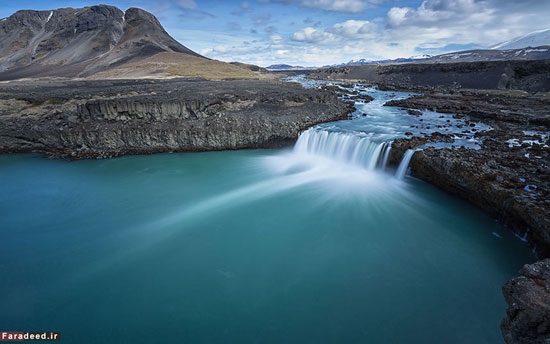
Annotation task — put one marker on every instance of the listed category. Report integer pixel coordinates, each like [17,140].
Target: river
[317,243]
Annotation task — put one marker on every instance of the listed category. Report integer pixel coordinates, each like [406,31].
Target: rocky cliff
[527,318]
[104,119]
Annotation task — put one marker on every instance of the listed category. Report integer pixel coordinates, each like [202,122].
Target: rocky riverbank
[508,177]
[532,76]
[91,119]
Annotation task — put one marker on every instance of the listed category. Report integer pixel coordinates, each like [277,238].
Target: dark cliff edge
[94,119]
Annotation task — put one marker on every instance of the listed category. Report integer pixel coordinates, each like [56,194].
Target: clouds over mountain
[330,31]
[430,27]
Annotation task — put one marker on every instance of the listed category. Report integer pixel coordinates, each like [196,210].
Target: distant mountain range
[533,46]
[526,54]
[388,61]
[102,39]
[287,67]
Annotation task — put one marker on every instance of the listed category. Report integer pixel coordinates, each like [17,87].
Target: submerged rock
[527,318]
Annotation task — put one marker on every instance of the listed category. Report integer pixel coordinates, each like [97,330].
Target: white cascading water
[386,155]
[349,148]
[402,169]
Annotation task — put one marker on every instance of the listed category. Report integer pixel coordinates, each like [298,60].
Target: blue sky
[320,32]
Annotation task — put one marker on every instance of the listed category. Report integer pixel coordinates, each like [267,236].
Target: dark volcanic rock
[523,75]
[510,106]
[413,112]
[509,177]
[111,118]
[527,318]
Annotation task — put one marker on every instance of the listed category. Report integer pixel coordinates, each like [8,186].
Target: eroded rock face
[527,318]
[111,118]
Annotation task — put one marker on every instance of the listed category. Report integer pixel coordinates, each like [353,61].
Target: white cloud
[355,29]
[276,39]
[349,6]
[187,4]
[397,15]
[432,12]
[314,36]
[350,29]
[434,26]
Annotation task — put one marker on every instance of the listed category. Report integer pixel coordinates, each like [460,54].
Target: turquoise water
[258,246]
[320,243]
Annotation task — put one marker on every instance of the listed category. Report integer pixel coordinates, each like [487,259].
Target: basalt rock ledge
[91,119]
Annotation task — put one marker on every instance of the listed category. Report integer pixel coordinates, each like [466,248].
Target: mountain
[81,42]
[526,54]
[533,39]
[287,67]
[367,62]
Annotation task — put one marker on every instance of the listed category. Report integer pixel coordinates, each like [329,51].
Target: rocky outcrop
[509,176]
[522,75]
[527,318]
[512,106]
[104,119]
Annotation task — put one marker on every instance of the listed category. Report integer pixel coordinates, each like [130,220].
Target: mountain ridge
[476,55]
[81,42]
[533,39]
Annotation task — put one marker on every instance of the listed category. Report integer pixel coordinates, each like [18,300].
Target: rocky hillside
[80,42]
[524,75]
[105,118]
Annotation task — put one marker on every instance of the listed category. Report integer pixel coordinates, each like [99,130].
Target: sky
[324,32]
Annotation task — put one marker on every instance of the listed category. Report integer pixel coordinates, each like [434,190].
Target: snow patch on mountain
[534,39]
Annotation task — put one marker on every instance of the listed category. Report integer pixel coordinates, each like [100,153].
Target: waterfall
[387,150]
[402,169]
[350,148]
